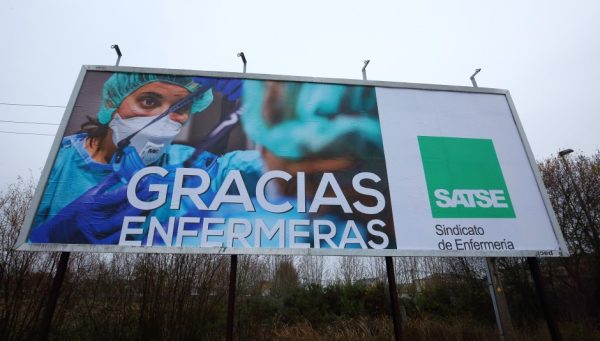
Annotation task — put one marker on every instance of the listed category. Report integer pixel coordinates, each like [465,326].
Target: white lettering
[192,193]
[371,228]
[497,195]
[294,223]
[357,239]
[379,206]
[339,199]
[182,232]
[160,188]
[241,236]
[260,192]
[156,226]
[470,198]
[207,232]
[234,176]
[278,227]
[444,201]
[327,237]
[126,230]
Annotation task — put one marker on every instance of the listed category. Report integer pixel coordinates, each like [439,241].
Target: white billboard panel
[467,129]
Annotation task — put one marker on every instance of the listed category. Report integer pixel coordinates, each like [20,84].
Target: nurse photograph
[140,115]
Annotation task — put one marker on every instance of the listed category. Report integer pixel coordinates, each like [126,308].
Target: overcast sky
[545,52]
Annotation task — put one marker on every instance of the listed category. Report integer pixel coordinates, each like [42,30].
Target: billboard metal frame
[23,246]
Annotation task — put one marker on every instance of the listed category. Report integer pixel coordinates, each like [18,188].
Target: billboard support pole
[534,267]
[61,269]
[231,297]
[397,319]
[389,266]
[501,312]
[232,270]
[503,321]
[489,265]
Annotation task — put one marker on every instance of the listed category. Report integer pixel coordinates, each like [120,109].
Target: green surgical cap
[120,85]
[314,120]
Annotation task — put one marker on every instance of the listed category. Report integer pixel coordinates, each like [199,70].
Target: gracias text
[236,231]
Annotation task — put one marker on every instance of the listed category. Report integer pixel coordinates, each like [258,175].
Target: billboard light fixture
[565,152]
[243,56]
[364,69]
[473,81]
[119,54]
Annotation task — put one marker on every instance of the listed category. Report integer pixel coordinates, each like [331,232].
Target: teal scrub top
[74,172]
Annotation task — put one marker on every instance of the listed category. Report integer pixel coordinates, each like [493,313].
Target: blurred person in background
[317,129]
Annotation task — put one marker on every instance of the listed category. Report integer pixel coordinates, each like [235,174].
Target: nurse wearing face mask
[140,109]
[129,117]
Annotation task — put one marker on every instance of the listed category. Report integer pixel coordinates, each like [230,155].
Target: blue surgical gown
[74,172]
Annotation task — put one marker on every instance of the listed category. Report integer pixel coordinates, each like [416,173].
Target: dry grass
[422,329]
[350,329]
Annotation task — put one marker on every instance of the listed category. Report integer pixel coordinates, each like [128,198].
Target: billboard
[150,160]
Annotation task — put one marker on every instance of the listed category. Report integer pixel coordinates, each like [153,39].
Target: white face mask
[152,141]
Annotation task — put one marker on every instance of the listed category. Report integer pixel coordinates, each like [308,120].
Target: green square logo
[464,178]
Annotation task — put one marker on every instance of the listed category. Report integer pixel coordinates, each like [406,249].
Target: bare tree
[286,277]
[22,285]
[311,269]
[374,269]
[574,189]
[351,269]
[573,186]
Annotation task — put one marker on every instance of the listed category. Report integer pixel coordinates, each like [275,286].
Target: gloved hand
[205,161]
[96,217]
[126,163]
[231,88]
